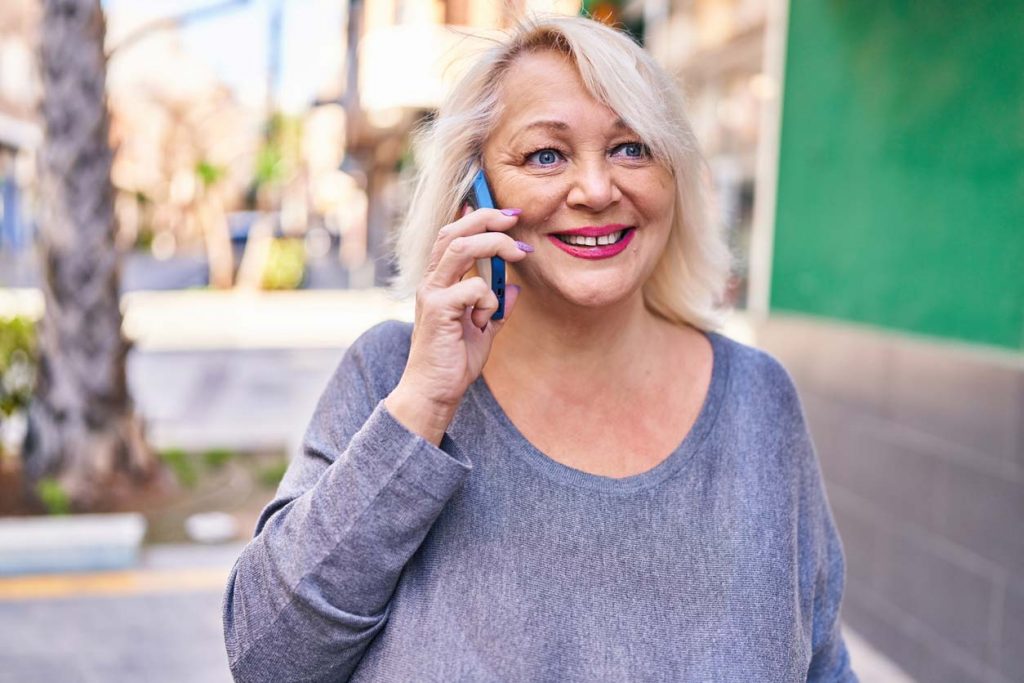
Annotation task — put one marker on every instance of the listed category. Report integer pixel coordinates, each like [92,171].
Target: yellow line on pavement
[109,584]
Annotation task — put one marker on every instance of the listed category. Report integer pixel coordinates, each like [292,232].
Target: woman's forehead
[544,90]
[541,77]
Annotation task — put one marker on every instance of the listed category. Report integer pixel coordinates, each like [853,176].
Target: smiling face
[570,163]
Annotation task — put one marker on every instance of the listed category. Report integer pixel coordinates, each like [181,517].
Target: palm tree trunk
[82,427]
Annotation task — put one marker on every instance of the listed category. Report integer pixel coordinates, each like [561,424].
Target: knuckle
[490,302]
[478,285]
[458,245]
[423,296]
[432,301]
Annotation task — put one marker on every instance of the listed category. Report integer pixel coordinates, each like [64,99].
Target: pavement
[208,369]
[159,623]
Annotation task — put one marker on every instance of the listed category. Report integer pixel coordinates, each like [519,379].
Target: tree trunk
[82,427]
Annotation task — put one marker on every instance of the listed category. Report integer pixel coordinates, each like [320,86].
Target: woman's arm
[311,590]
[822,567]
[822,548]
[830,662]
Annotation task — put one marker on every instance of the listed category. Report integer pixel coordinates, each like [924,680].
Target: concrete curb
[71,543]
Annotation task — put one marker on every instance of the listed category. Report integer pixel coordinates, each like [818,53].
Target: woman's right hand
[453,330]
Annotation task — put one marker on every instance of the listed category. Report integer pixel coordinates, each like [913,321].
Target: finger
[482,312]
[452,303]
[463,252]
[471,223]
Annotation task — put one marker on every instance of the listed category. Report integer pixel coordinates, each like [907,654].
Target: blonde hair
[688,283]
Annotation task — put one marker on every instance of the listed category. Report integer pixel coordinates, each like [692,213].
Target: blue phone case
[493,269]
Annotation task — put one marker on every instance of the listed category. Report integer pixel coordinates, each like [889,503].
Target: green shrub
[216,458]
[271,475]
[53,496]
[182,465]
[18,363]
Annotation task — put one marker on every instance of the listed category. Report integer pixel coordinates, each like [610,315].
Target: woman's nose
[593,187]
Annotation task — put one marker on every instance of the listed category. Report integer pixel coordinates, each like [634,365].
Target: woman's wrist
[418,414]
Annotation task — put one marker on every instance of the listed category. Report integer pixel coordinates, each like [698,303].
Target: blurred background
[196,199]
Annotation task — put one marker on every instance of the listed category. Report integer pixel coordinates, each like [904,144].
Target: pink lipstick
[601,251]
[595,231]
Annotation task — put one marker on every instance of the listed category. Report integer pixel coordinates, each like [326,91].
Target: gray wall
[922,449]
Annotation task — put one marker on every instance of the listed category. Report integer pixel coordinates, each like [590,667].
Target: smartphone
[492,270]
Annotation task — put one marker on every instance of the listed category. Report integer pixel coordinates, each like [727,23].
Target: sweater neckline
[687,449]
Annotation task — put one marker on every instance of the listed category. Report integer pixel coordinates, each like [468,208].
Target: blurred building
[183,142]
[20,133]
[889,274]
[717,49]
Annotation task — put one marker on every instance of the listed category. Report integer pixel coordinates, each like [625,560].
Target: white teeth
[580,241]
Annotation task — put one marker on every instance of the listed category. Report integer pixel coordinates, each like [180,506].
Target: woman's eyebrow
[552,124]
[559,125]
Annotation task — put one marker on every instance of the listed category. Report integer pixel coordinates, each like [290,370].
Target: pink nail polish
[524,246]
[511,212]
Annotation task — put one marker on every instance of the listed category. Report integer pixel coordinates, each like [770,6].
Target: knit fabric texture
[386,558]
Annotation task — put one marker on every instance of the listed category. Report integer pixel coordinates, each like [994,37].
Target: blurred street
[159,623]
[141,271]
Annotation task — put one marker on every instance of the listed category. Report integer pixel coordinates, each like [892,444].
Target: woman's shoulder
[763,407]
[385,341]
[377,357]
[755,374]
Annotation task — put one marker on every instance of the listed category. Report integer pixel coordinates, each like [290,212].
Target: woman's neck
[577,352]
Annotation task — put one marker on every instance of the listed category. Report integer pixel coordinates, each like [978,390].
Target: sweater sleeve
[826,570]
[822,563]
[312,589]
[830,661]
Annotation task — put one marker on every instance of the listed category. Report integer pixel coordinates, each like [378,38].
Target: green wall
[901,174]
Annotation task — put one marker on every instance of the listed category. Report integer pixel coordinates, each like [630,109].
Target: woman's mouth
[601,247]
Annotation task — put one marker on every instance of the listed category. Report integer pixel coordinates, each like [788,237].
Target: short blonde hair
[688,283]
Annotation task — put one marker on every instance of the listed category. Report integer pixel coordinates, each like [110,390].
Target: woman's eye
[632,150]
[545,157]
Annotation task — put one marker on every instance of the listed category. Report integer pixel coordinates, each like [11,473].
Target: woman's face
[569,162]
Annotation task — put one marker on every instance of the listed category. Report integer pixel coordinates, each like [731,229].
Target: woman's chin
[594,295]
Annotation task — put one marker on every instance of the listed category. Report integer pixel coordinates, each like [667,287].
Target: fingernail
[524,246]
[511,212]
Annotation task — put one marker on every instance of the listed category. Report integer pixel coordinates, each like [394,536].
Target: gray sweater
[386,558]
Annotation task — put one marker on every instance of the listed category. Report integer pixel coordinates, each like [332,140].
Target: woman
[596,487]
